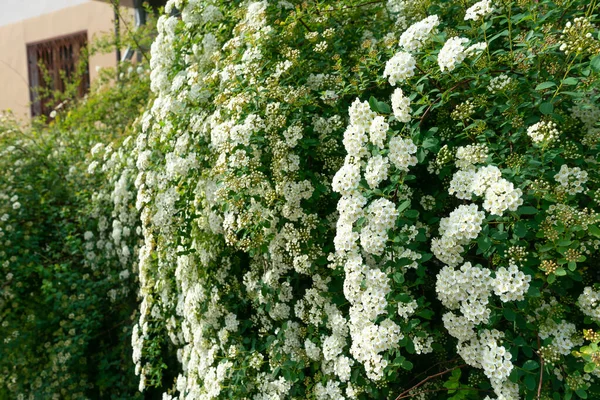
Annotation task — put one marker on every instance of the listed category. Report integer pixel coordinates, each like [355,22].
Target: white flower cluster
[572,179]
[511,284]
[401,106]
[399,68]
[587,113]
[589,303]
[381,216]
[543,132]
[499,83]
[483,351]
[499,194]
[457,230]
[467,156]
[378,131]
[366,285]
[376,170]
[468,289]
[564,335]
[346,180]
[479,10]
[452,53]
[415,37]
[401,153]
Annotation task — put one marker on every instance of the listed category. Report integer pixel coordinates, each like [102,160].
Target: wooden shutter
[53,56]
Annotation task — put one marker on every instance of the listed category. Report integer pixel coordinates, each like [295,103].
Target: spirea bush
[68,238]
[324,200]
[369,199]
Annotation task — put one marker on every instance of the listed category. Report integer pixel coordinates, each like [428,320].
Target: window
[56,59]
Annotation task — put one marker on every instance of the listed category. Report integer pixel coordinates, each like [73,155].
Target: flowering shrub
[330,208]
[67,269]
[405,208]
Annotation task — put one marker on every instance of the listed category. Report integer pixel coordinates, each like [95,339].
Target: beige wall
[93,17]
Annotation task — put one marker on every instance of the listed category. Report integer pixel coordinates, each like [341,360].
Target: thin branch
[404,394]
[539,392]
[306,26]
[141,50]
[433,366]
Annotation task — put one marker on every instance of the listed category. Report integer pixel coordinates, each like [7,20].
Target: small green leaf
[520,229]
[430,143]
[572,266]
[581,393]
[545,85]
[509,314]
[411,214]
[551,278]
[531,365]
[594,230]
[589,367]
[570,81]
[403,206]
[560,272]
[595,63]
[527,210]
[383,107]
[530,382]
[484,243]
[546,108]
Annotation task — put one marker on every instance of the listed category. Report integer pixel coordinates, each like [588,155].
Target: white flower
[401,153]
[572,179]
[414,38]
[376,170]
[400,106]
[543,132]
[399,68]
[479,10]
[378,131]
[452,53]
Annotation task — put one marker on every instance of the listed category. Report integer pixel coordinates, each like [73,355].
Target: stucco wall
[91,16]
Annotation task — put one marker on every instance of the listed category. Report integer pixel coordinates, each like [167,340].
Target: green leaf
[546,108]
[595,63]
[589,367]
[594,230]
[484,243]
[527,210]
[430,143]
[509,314]
[560,272]
[530,382]
[531,365]
[551,278]
[545,85]
[374,104]
[570,81]
[427,314]
[398,277]
[581,393]
[411,214]
[407,365]
[520,229]
[403,206]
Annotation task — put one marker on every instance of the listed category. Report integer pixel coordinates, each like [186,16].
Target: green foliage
[65,313]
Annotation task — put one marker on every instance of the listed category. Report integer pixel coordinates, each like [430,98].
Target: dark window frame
[61,53]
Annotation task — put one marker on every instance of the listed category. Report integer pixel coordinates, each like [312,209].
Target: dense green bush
[68,286]
[337,199]
[369,199]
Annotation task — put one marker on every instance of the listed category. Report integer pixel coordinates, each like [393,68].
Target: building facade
[39,38]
